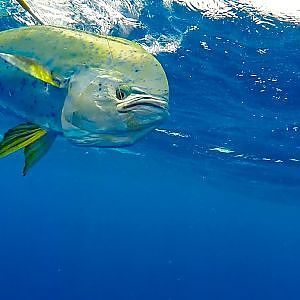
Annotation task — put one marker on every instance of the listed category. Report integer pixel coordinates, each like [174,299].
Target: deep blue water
[205,208]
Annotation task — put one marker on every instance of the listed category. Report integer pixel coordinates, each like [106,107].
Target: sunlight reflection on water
[122,16]
[100,16]
[286,11]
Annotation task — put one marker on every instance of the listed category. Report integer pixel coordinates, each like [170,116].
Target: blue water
[205,208]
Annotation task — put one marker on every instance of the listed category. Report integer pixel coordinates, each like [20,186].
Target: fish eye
[120,94]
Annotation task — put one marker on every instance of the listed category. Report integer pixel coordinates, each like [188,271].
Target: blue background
[172,219]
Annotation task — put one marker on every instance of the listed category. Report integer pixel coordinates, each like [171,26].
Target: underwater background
[205,207]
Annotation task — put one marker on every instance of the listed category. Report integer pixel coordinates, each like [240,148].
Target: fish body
[30,98]
[64,52]
[95,90]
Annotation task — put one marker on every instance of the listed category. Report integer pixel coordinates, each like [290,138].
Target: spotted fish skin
[30,98]
[64,52]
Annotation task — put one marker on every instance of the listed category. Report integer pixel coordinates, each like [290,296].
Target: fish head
[114,107]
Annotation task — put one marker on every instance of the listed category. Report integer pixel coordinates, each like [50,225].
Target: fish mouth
[144,101]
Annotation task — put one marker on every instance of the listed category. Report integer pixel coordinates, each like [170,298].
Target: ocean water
[207,206]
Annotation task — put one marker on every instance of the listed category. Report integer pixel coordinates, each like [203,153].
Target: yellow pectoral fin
[35,141]
[33,68]
[35,151]
[20,137]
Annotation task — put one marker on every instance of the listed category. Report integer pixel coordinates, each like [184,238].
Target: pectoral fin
[35,141]
[35,151]
[33,68]
[20,137]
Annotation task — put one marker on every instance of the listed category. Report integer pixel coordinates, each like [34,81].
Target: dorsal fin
[33,68]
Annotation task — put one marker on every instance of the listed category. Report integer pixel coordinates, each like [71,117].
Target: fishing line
[110,52]
[118,90]
[24,4]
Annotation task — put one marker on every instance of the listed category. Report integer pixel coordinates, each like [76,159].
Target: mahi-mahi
[97,91]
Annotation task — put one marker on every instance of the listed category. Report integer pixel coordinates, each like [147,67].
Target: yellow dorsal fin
[33,68]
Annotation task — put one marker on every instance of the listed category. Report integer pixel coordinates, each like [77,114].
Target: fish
[95,91]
